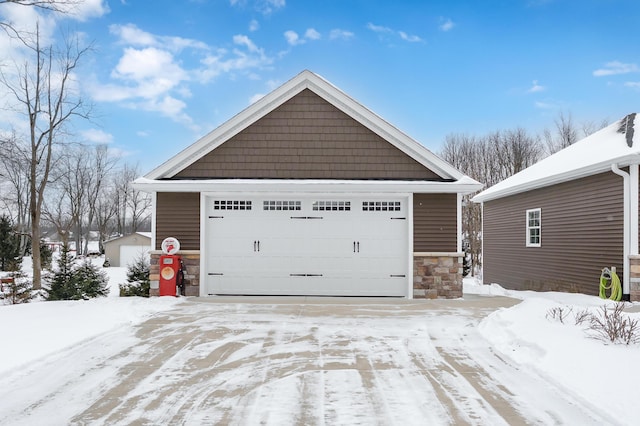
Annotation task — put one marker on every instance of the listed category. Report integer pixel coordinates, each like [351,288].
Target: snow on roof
[615,144]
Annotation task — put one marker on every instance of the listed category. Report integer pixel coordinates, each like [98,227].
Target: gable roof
[148,235]
[324,89]
[617,143]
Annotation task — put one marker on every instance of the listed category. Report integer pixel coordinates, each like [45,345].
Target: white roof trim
[465,185]
[305,80]
[591,155]
[556,179]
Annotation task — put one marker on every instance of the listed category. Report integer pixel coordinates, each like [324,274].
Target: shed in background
[124,250]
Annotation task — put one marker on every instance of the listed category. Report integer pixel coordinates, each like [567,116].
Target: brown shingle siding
[581,233]
[178,215]
[435,222]
[314,140]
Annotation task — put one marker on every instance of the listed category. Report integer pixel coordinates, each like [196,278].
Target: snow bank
[601,373]
[35,330]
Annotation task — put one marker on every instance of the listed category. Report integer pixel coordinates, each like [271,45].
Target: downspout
[626,240]
[459,223]
[634,194]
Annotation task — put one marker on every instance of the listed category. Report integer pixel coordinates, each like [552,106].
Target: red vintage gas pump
[170,267]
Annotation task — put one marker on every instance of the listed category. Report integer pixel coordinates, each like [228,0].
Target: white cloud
[131,35]
[24,20]
[536,87]
[96,136]
[255,98]
[312,34]
[222,61]
[266,7]
[633,84]
[292,38]
[340,34]
[545,105]
[446,24]
[243,40]
[142,65]
[151,74]
[87,9]
[379,28]
[409,38]
[615,68]
[383,31]
[254,25]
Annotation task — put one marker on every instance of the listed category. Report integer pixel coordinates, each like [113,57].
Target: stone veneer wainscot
[437,275]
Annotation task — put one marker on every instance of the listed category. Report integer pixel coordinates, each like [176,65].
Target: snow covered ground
[603,376]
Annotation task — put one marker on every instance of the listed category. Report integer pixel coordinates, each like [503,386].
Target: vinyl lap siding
[178,215]
[582,232]
[435,222]
[307,138]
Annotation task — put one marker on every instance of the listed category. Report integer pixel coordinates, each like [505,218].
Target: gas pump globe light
[171,273]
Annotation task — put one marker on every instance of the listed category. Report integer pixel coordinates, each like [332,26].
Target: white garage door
[306,246]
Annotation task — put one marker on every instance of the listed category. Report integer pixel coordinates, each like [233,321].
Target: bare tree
[590,127]
[138,202]
[488,159]
[564,134]
[107,206]
[44,93]
[101,165]
[15,194]
[58,6]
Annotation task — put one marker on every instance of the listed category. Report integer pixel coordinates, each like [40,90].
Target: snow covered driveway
[298,361]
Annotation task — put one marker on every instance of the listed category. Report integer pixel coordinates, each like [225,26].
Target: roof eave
[463,186]
[602,167]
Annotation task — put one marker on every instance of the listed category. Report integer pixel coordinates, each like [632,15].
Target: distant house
[556,224]
[124,250]
[307,192]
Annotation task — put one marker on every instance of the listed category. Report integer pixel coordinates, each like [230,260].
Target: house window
[282,205]
[534,228]
[332,206]
[381,206]
[231,205]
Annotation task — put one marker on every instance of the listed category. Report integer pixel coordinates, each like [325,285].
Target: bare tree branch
[43,91]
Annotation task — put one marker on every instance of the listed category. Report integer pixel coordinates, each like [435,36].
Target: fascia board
[604,166]
[463,186]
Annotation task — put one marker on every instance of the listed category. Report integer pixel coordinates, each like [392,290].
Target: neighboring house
[125,250]
[307,192]
[556,224]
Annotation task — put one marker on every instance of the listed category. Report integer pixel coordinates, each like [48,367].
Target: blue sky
[164,73]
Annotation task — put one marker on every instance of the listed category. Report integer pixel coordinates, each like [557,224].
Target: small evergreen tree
[89,281]
[466,264]
[137,279]
[61,287]
[46,255]
[17,292]
[79,283]
[9,246]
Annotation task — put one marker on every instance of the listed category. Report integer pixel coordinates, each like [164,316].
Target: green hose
[614,285]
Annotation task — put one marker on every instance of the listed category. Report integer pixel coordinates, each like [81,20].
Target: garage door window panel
[381,206]
[342,206]
[231,205]
[282,205]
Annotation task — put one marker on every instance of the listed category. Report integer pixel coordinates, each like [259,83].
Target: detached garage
[306,192]
[125,250]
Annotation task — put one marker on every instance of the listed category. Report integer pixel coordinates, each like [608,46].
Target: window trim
[529,228]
